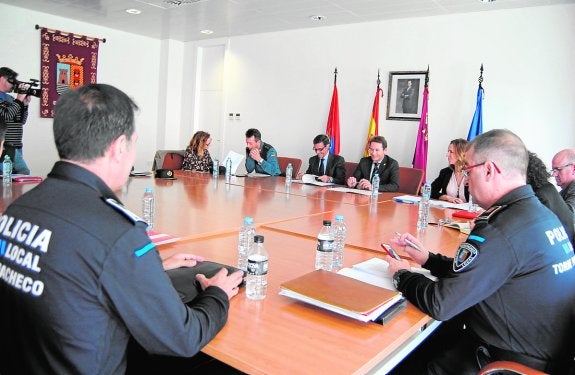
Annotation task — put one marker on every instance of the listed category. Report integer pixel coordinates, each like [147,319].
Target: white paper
[374,271]
[432,202]
[311,179]
[349,190]
[236,160]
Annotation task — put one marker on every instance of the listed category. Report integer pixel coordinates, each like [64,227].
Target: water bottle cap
[6,158]
[248,220]
[258,238]
[327,223]
[148,189]
[289,165]
[338,217]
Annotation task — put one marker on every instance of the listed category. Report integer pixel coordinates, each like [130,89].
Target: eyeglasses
[319,149]
[559,169]
[466,169]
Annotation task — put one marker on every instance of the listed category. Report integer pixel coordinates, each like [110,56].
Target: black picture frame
[405,95]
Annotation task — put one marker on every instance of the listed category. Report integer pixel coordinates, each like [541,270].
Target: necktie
[322,168]
[375,169]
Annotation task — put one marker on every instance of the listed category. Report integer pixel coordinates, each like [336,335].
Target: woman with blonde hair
[450,185]
[197,157]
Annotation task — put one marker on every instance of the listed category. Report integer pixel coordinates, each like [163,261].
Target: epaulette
[127,213]
[489,214]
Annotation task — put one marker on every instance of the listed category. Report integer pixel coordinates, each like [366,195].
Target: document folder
[341,294]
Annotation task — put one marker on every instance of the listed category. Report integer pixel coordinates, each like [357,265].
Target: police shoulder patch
[466,254]
[127,213]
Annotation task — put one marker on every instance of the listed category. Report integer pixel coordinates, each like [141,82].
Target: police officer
[260,156]
[511,283]
[78,274]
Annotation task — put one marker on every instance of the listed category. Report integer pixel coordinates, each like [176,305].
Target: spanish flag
[373,123]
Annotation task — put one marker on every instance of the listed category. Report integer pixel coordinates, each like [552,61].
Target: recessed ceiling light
[317,17]
[207,31]
[487,1]
[133,11]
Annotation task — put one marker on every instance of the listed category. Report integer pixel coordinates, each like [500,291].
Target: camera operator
[13,115]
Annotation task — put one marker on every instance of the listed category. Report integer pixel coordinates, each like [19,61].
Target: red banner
[68,61]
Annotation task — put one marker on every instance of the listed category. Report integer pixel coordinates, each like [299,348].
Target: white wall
[282,82]
[128,61]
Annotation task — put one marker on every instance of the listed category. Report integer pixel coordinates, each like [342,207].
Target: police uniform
[79,276]
[269,164]
[512,280]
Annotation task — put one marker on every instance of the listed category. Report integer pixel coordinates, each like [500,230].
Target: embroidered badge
[466,254]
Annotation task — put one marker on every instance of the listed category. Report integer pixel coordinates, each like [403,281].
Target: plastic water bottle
[375,185]
[257,279]
[339,234]
[148,207]
[324,252]
[228,170]
[216,168]
[472,207]
[7,170]
[289,172]
[423,217]
[245,241]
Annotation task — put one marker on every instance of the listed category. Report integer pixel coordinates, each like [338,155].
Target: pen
[411,244]
[404,201]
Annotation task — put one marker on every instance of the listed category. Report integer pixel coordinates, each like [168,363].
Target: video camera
[31,90]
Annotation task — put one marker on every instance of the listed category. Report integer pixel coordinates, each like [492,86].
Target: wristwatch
[397,277]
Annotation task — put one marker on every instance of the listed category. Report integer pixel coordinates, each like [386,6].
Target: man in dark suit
[327,166]
[378,162]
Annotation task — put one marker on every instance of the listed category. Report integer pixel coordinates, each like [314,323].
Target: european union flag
[476,127]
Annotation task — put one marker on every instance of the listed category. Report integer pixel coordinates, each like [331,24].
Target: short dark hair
[379,139]
[8,73]
[254,133]
[87,120]
[322,138]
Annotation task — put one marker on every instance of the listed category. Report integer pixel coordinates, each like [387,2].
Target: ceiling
[184,19]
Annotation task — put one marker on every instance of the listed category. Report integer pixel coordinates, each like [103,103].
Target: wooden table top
[281,335]
[369,225]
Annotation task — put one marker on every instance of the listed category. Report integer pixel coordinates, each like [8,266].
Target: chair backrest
[284,161]
[350,167]
[410,180]
[172,160]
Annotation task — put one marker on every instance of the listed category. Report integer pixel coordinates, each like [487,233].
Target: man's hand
[364,184]
[324,178]
[255,154]
[395,265]
[228,283]
[181,260]
[404,241]
[351,182]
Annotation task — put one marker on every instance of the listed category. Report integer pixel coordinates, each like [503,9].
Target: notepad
[350,190]
[341,294]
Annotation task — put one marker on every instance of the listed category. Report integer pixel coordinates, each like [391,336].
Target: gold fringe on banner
[37,27]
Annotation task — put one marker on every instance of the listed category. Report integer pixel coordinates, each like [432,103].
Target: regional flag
[373,123]
[332,129]
[476,127]
[420,155]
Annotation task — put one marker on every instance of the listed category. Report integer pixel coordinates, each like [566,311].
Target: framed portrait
[405,95]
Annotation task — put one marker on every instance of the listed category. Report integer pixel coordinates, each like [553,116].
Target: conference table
[279,334]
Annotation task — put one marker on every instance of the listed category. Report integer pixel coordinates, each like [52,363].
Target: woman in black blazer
[450,185]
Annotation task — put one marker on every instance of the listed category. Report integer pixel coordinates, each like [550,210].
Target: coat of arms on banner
[68,62]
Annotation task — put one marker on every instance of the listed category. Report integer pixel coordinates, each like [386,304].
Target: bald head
[563,167]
